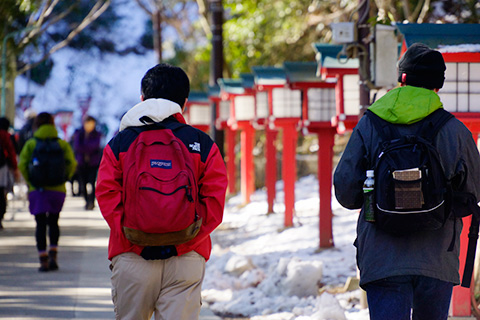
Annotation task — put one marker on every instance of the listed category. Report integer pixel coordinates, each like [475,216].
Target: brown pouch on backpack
[408,189]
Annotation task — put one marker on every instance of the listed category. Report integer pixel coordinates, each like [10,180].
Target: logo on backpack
[195,146]
[164,164]
[47,166]
[160,205]
[411,191]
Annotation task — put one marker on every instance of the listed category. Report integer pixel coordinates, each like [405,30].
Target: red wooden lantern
[331,65]
[319,108]
[284,111]
[198,111]
[239,95]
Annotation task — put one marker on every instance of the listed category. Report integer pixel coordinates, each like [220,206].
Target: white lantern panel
[224,110]
[244,108]
[351,94]
[475,73]
[262,104]
[449,101]
[462,73]
[321,104]
[449,87]
[200,114]
[461,90]
[475,107]
[451,72]
[286,103]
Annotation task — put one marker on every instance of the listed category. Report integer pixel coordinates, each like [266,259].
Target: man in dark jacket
[416,271]
[165,279]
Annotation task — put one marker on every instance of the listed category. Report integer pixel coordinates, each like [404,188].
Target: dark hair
[41,119]
[89,118]
[4,123]
[167,82]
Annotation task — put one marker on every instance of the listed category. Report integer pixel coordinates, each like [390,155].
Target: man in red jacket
[164,279]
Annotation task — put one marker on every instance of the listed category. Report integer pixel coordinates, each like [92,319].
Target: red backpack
[160,189]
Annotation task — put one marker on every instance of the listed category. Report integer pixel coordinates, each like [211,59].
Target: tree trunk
[157,34]
[11,73]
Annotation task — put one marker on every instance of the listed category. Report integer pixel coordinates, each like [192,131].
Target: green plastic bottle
[369,201]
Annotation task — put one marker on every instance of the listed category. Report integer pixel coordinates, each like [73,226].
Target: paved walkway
[80,289]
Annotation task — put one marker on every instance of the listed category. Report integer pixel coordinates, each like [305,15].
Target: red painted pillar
[289,171]
[230,160]
[326,139]
[461,297]
[247,167]
[271,167]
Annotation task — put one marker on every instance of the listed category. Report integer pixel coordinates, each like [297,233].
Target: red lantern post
[284,112]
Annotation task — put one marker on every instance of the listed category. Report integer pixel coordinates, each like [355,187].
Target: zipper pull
[188,190]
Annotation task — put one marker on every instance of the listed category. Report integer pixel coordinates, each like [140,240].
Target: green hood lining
[406,105]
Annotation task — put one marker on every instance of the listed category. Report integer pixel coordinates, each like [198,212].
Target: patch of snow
[283,267]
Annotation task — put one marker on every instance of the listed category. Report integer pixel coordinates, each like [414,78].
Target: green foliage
[263,32]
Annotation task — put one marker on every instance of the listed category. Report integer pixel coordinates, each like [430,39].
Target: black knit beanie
[421,66]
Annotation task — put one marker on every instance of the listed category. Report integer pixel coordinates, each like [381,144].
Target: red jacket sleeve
[8,149]
[212,185]
[109,193]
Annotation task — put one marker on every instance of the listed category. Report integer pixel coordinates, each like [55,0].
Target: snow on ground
[261,271]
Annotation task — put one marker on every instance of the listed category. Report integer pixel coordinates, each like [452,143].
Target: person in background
[8,166]
[26,132]
[45,203]
[86,146]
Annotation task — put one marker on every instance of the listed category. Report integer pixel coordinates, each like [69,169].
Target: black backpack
[47,165]
[411,191]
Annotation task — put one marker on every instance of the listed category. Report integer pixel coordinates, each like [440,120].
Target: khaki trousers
[170,289]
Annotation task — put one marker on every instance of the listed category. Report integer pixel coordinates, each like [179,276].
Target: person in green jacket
[46,202]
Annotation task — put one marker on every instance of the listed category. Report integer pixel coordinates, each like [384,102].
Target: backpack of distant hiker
[47,166]
[412,193]
[160,188]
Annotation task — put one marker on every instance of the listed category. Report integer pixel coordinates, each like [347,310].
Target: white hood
[155,109]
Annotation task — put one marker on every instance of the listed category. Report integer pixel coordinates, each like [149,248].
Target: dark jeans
[43,220]
[87,175]
[394,298]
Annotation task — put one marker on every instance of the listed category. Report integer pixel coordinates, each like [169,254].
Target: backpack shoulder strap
[385,129]
[173,125]
[433,123]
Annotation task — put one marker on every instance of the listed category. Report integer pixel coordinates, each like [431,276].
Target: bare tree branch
[203,11]
[94,13]
[144,7]
[41,28]
[423,13]
[406,9]
[418,8]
